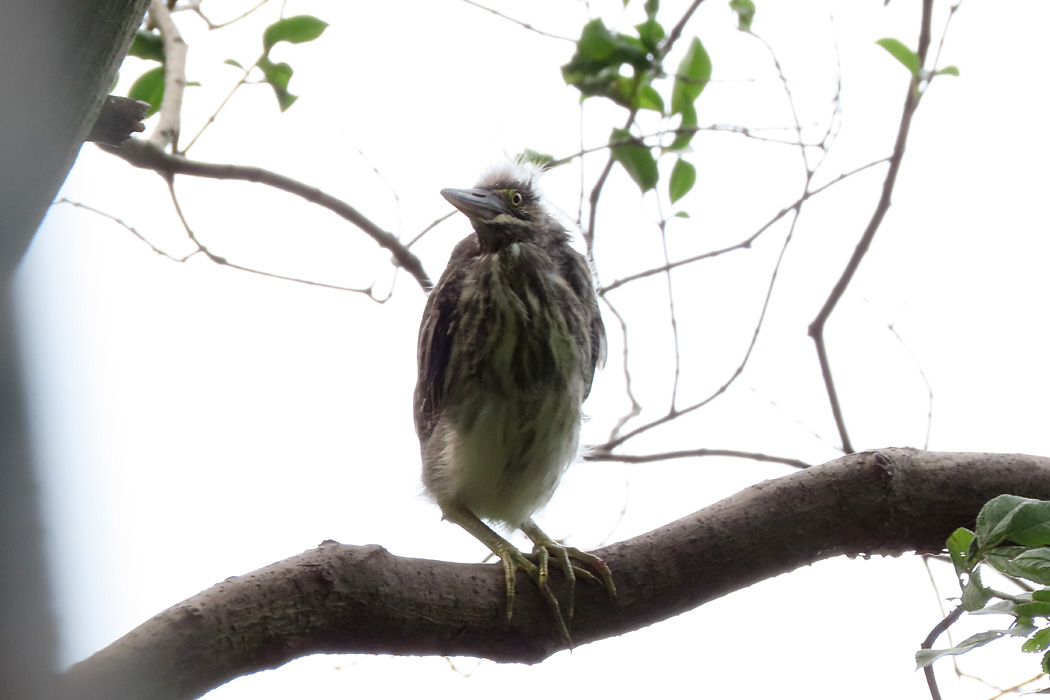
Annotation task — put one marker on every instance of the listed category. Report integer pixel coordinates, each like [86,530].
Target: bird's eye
[515,198]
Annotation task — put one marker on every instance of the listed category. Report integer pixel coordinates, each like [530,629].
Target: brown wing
[577,273]
[436,331]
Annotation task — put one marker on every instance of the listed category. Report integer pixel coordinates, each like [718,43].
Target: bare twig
[791,104]
[212,117]
[220,25]
[674,319]
[746,243]
[816,328]
[676,31]
[927,643]
[674,413]
[167,131]
[524,25]
[925,380]
[142,155]
[600,456]
[429,227]
[225,262]
[636,407]
[131,229]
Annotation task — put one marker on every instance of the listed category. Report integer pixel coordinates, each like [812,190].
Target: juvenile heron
[508,345]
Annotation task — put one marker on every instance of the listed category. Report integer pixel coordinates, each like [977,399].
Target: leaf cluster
[628,69]
[149,45]
[1012,536]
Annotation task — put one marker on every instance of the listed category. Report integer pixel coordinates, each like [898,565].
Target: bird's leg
[512,559]
[564,556]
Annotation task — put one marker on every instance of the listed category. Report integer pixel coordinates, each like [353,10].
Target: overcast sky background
[194,422]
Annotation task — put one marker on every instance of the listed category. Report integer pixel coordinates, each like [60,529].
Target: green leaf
[1002,559]
[648,98]
[682,214]
[908,58]
[925,657]
[636,158]
[1041,595]
[651,8]
[683,177]
[542,160]
[149,87]
[958,548]
[147,45]
[1003,607]
[1025,521]
[294,30]
[693,74]
[1040,641]
[745,12]
[974,595]
[231,62]
[651,33]
[948,70]
[1034,564]
[595,68]
[1034,609]
[686,129]
[278,75]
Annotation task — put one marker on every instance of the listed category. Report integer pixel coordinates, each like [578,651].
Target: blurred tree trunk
[57,62]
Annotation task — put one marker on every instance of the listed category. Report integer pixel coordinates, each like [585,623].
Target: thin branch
[674,414]
[746,243]
[131,229]
[676,31]
[748,132]
[925,380]
[791,104]
[794,418]
[816,328]
[596,192]
[674,319]
[927,643]
[524,25]
[944,33]
[225,262]
[429,227]
[700,452]
[211,117]
[142,155]
[167,131]
[636,407]
[220,25]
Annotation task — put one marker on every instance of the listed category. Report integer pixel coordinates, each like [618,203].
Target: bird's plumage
[508,345]
[507,351]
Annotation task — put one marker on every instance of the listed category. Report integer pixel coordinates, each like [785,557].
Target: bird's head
[504,207]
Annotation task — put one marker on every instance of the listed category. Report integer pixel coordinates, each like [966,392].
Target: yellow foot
[564,557]
[539,572]
[537,564]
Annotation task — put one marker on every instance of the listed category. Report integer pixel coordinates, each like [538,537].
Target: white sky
[196,423]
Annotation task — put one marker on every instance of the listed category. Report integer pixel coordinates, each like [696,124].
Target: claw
[564,556]
[513,560]
[537,565]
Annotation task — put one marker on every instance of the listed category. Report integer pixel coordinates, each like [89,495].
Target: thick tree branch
[345,599]
[143,155]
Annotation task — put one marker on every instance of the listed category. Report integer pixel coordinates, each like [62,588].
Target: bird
[509,342]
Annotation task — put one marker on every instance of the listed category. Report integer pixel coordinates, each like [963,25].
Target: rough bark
[346,599]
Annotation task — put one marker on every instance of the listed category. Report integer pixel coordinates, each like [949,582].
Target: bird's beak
[478,205]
